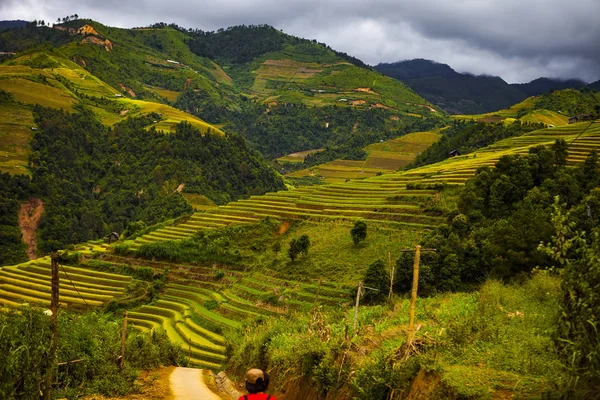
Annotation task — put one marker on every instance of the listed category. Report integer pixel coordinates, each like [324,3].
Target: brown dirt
[87,30]
[364,89]
[283,228]
[29,220]
[154,385]
[423,386]
[188,383]
[107,44]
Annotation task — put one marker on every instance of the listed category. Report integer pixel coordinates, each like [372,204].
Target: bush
[94,338]
[359,232]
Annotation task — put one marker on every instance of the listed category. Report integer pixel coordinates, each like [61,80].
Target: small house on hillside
[454,153]
[112,237]
[581,118]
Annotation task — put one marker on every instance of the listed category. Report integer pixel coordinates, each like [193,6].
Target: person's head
[256,381]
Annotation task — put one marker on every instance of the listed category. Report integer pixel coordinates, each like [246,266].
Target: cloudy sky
[519,40]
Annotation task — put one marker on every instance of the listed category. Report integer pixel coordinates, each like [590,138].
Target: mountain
[543,85]
[454,92]
[150,117]
[595,85]
[463,93]
[12,24]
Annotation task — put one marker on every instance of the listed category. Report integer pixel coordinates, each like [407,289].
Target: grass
[15,135]
[30,92]
[382,157]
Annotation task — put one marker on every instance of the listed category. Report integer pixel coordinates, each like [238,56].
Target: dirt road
[187,384]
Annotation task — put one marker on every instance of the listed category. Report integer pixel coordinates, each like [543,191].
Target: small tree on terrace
[298,246]
[376,282]
[359,232]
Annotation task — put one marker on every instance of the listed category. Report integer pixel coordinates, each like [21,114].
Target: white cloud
[517,39]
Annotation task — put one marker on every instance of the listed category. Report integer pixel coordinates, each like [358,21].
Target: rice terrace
[246,214]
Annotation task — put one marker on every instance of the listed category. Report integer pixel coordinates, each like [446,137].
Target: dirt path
[187,384]
[29,219]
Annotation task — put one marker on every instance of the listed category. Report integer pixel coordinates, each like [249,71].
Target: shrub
[359,232]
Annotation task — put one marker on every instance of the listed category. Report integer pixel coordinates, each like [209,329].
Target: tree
[359,232]
[298,246]
[293,250]
[376,283]
[303,244]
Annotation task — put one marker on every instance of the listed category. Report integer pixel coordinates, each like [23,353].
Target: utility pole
[415,288]
[123,337]
[54,257]
[356,307]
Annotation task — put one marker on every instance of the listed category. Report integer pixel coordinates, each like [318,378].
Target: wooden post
[413,297]
[356,307]
[53,322]
[392,270]
[123,337]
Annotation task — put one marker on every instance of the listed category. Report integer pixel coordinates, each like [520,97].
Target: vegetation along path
[187,383]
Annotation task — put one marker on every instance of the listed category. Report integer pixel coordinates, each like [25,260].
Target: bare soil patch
[30,215]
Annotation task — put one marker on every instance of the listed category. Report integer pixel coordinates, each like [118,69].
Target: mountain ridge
[466,93]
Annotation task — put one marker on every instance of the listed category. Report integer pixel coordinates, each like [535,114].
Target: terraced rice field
[193,314]
[79,287]
[384,198]
[382,158]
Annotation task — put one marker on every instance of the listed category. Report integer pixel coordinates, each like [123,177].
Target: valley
[208,187]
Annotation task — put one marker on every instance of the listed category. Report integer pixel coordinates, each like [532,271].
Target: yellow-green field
[47,87]
[15,135]
[192,313]
[299,156]
[198,201]
[382,157]
[170,95]
[30,92]
[550,118]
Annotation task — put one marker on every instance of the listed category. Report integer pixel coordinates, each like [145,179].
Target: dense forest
[504,214]
[14,190]
[287,128]
[468,136]
[99,179]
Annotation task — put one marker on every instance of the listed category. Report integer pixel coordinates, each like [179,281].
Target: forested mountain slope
[463,93]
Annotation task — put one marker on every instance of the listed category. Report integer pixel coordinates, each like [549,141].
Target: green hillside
[552,109]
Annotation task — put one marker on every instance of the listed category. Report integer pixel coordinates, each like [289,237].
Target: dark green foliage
[342,131]
[99,179]
[359,232]
[14,189]
[244,43]
[570,102]
[235,245]
[6,97]
[467,137]
[577,336]
[17,40]
[376,283]
[299,246]
[93,338]
[504,214]
[237,44]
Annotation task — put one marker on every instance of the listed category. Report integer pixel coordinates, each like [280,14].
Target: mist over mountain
[464,93]
[543,85]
